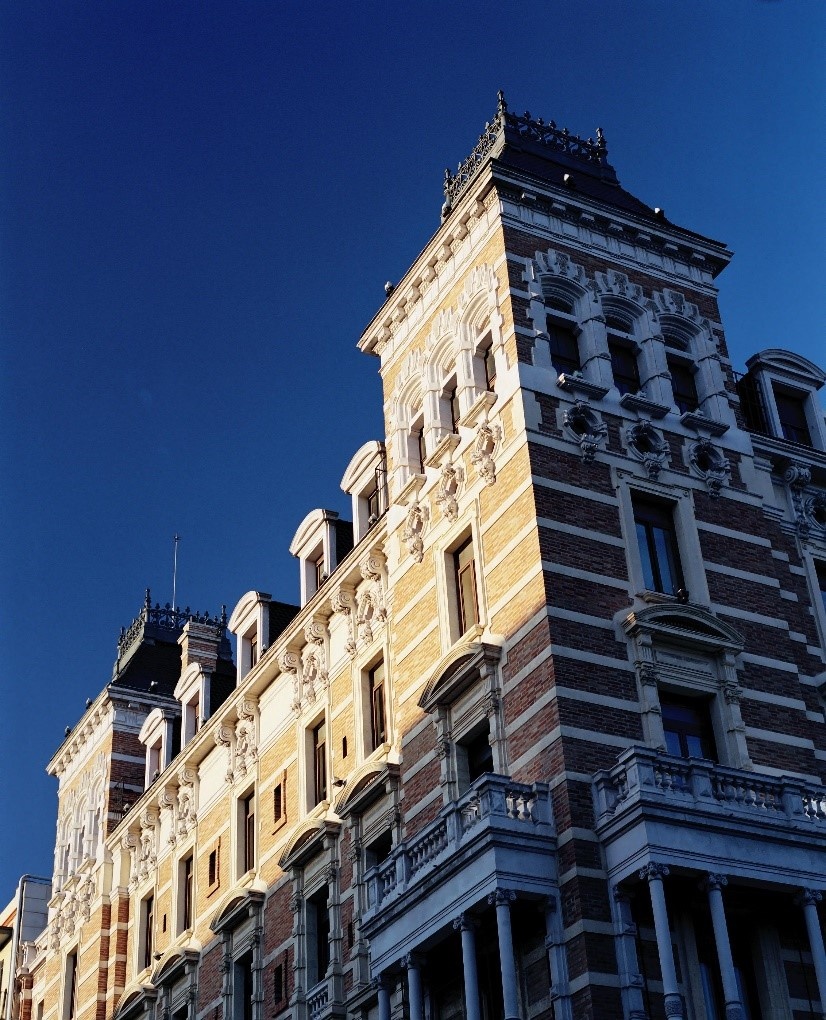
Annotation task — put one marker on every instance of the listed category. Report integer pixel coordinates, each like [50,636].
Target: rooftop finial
[502,106]
[602,146]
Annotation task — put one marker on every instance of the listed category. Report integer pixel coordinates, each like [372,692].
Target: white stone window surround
[315,539]
[239,832]
[462,694]
[240,924]
[193,692]
[363,475]
[157,737]
[306,763]
[446,593]
[250,623]
[71,981]
[687,651]
[177,982]
[811,558]
[179,890]
[685,529]
[790,372]
[362,706]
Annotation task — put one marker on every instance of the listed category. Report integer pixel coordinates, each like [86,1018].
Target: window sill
[700,423]
[478,409]
[579,384]
[444,448]
[635,402]
[409,492]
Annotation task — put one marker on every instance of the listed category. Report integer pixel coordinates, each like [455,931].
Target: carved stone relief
[646,443]
[414,527]
[371,597]
[451,477]
[484,447]
[710,464]
[586,427]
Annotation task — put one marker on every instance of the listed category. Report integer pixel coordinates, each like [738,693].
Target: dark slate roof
[281,615]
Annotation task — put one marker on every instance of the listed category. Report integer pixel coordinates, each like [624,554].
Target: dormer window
[158,737]
[791,411]
[250,622]
[321,542]
[366,481]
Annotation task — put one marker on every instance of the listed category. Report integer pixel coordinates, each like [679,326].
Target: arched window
[623,351]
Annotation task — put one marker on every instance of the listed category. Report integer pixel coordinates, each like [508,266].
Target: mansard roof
[541,149]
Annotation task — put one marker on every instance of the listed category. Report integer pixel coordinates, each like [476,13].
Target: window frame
[653,517]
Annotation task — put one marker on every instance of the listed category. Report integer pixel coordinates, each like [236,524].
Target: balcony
[697,814]
[499,834]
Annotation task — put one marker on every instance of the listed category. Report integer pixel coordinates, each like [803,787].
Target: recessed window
[564,347]
[474,756]
[247,856]
[373,506]
[820,568]
[657,542]
[318,568]
[318,936]
[278,984]
[465,579]
[559,304]
[683,385]
[70,987]
[253,650]
[378,850]
[791,410]
[242,987]
[375,691]
[148,931]
[278,806]
[214,867]
[416,451]
[186,877]
[319,736]
[624,365]
[450,400]
[687,727]
[488,362]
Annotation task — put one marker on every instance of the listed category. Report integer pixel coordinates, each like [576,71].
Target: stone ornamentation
[344,601]
[289,662]
[451,477]
[371,597]
[147,849]
[246,746]
[487,438]
[186,813]
[314,677]
[223,738]
[417,518]
[586,427]
[710,464]
[797,477]
[646,444]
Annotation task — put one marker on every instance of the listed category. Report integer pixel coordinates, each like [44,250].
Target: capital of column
[807,896]
[412,961]
[496,899]
[654,872]
[713,881]
[464,922]
[383,982]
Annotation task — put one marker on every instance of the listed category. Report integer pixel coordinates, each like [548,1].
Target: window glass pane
[645,557]
[672,743]
[663,543]
[683,385]
[624,367]
[564,348]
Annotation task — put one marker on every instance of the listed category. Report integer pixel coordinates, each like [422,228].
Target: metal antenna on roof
[176,540]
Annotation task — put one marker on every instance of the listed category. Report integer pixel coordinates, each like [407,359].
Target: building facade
[544,735]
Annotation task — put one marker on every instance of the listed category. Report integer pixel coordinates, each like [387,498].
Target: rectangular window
[148,926]
[375,685]
[214,867]
[253,650]
[490,367]
[791,410]
[474,756]
[624,366]
[378,850]
[242,987]
[465,578]
[687,726]
[278,803]
[187,880]
[70,987]
[318,937]
[373,506]
[248,834]
[278,984]
[820,567]
[319,571]
[657,541]
[320,763]
[455,415]
[564,348]
[683,385]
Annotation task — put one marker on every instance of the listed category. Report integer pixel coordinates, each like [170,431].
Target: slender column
[809,899]
[383,989]
[655,873]
[467,926]
[502,900]
[413,964]
[714,885]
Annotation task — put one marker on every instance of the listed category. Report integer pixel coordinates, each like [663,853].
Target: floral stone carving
[412,536]
[710,464]
[587,427]
[451,477]
[646,444]
[487,437]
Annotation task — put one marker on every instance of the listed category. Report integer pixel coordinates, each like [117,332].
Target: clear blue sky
[199,206]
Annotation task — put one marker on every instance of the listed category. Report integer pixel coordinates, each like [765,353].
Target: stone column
[467,926]
[413,965]
[383,989]
[654,874]
[502,900]
[714,885]
[809,899]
